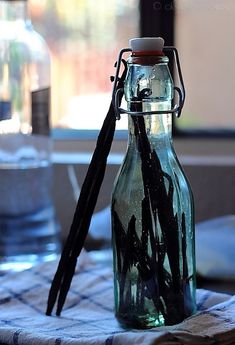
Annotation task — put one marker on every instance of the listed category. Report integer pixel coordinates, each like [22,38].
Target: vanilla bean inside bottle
[152,204]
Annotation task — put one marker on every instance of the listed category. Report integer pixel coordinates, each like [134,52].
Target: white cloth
[88,318]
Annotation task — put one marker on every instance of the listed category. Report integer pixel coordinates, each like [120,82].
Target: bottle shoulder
[25,53]
[162,168]
[22,37]
[163,158]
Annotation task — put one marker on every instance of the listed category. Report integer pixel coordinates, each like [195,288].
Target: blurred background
[85,37]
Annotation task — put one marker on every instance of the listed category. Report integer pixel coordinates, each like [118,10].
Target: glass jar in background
[29,233]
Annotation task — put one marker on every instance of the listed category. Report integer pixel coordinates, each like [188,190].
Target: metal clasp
[180,90]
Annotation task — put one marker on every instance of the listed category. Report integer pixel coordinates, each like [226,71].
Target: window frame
[157,18]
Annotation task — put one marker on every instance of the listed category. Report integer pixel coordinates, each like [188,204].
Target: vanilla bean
[83,213]
[119,236]
[84,210]
[87,202]
[161,204]
[134,255]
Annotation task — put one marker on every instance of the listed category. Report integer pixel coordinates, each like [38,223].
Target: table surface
[217,285]
[88,315]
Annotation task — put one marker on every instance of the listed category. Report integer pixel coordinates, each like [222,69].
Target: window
[84,37]
[204,31]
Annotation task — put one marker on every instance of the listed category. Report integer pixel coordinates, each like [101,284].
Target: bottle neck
[158,128]
[14,11]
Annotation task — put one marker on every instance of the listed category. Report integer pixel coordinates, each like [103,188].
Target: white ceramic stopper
[146,44]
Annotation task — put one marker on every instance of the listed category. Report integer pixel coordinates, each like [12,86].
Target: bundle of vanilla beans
[169,291]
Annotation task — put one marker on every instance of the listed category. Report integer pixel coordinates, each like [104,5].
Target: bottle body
[152,212]
[28,229]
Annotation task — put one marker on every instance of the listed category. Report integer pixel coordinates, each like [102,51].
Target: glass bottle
[152,205]
[28,228]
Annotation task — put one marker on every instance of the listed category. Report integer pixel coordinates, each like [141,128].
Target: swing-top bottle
[152,204]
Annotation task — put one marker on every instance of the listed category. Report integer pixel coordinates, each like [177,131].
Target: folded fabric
[88,317]
[215,248]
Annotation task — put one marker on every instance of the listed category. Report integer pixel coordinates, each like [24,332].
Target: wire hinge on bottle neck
[118,93]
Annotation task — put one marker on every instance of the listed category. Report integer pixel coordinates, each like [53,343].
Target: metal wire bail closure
[179,90]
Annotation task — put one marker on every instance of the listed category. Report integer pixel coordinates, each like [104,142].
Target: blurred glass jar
[29,232]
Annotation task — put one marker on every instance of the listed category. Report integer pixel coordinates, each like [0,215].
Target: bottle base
[140,322]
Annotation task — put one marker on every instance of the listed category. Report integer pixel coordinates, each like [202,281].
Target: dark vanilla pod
[84,210]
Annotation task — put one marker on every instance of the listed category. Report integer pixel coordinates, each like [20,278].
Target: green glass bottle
[152,205]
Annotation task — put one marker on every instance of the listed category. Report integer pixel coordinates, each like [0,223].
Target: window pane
[205,33]
[84,37]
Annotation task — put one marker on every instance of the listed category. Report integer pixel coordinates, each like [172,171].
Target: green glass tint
[152,212]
